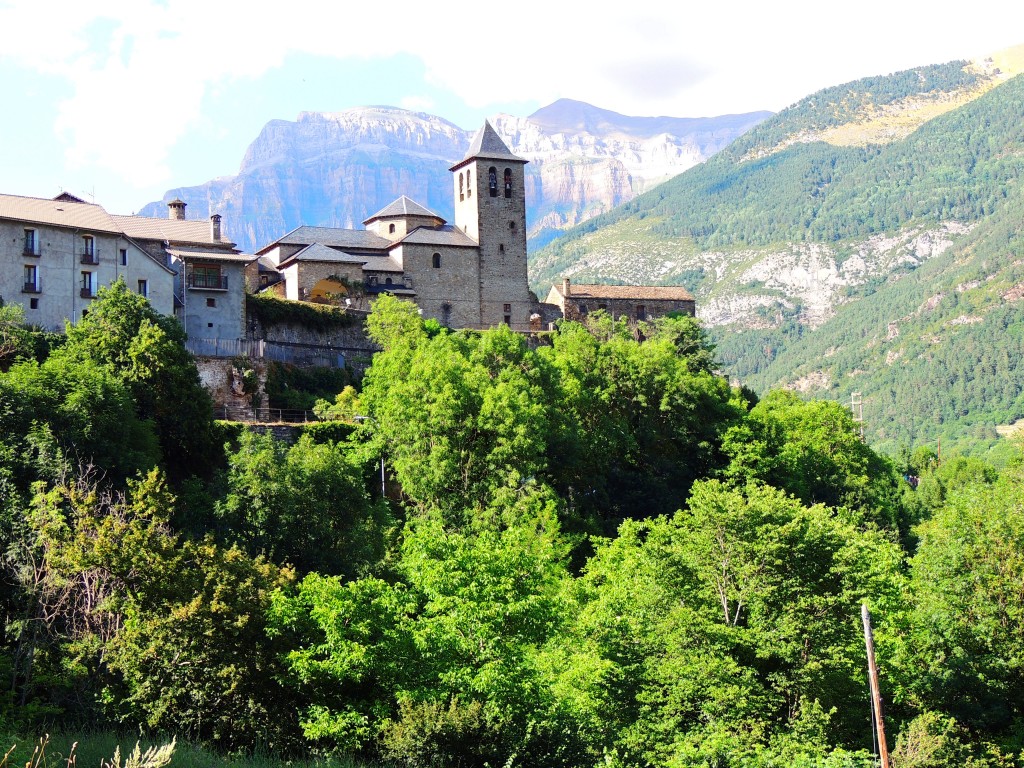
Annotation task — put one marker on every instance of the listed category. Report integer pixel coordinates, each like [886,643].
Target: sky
[118,101]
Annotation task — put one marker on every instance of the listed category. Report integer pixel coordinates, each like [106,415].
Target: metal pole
[876,697]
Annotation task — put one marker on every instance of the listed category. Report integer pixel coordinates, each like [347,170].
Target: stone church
[470,274]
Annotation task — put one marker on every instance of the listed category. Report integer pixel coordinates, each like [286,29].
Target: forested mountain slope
[814,238]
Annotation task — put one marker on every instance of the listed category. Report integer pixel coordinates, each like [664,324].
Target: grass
[91,750]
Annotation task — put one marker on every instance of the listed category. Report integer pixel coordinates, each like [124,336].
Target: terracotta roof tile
[60,213]
[627,292]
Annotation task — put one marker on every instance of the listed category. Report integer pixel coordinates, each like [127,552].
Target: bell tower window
[492,181]
[391,229]
[469,183]
[437,261]
[462,195]
[508,182]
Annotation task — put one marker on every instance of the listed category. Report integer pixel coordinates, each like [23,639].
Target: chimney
[215,227]
[176,210]
[565,287]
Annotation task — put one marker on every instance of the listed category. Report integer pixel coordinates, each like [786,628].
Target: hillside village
[468,274]
[504,545]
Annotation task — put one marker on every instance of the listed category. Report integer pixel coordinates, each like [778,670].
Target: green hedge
[270,310]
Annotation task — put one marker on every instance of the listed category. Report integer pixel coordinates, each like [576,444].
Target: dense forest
[932,345]
[587,549]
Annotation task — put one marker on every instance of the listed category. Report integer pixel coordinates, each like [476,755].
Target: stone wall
[351,340]
[576,308]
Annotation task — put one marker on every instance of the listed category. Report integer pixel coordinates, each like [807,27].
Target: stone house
[56,253]
[633,302]
[470,274]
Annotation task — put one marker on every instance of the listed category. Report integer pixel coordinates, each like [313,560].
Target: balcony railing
[205,282]
[90,258]
[87,293]
[31,288]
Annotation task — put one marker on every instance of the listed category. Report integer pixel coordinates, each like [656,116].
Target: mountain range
[866,243]
[339,168]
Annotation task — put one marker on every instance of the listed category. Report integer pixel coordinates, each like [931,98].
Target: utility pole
[876,697]
[857,410]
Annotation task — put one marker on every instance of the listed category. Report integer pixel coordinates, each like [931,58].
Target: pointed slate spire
[488,144]
[403,206]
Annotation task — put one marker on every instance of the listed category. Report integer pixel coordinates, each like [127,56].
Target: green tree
[732,626]
[963,645]
[167,633]
[145,350]
[813,450]
[305,504]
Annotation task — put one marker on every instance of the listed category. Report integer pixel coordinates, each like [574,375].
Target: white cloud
[141,69]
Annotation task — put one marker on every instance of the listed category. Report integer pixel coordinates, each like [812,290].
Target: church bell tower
[490,207]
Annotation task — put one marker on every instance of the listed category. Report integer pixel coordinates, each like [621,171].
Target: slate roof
[171,230]
[332,236]
[488,144]
[322,253]
[403,206]
[627,292]
[382,264]
[444,235]
[59,213]
[207,255]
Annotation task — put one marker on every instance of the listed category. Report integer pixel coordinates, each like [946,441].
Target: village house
[470,274]
[632,302]
[55,254]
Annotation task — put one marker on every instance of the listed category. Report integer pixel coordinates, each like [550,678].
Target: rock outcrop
[338,168]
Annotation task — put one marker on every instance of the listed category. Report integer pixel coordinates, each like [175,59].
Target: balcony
[207,282]
[31,288]
[30,251]
[89,258]
[87,293]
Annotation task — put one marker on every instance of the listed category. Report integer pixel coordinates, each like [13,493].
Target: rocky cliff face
[337,169]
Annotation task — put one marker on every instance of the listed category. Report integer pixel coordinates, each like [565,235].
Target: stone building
[633,302]
[55,254]
[470,274]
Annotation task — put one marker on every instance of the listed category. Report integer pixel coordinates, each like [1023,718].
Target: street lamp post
[383,493]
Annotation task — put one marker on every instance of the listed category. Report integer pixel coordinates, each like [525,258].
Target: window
[33,303]
[31,279]
[469,184]
[208,276]
[87,285]
[501,247]
[211,303]
[88,249]
[461,195]
[437,261]
[511,226]
[508,182]
[31,243]
[389,281]
[124,257]
[641,312]
[144,288]
[492,181]
[391,229]
[508,307]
